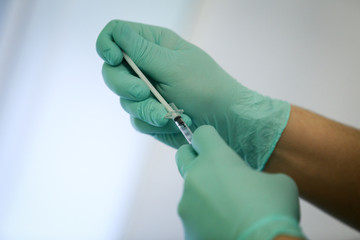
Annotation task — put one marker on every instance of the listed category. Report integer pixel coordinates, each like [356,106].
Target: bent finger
[107,49]
[121,81]
[147,128]
[148,110]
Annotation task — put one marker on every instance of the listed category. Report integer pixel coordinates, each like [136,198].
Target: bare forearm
[323,157]
[286,238]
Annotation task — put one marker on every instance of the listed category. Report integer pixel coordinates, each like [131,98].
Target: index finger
[106,47]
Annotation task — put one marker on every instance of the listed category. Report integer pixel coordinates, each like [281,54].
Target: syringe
[173,112]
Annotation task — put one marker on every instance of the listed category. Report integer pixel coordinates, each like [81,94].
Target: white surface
[305,52]
[69,158]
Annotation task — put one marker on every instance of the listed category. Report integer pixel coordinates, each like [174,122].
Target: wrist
[273,227]
[259,124]
[283,237]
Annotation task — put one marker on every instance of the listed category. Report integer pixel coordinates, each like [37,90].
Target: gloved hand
[223,198]
[185,75]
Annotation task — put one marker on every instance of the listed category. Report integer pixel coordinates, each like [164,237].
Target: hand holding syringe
[173,112]
[249,122]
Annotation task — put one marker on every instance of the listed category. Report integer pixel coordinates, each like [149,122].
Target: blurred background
[72,167]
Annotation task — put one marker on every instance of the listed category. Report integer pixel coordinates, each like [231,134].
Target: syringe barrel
[185,130]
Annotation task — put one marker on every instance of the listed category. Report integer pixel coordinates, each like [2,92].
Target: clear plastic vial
[185,130]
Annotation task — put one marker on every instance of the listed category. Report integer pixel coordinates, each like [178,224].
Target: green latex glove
[223,198]
[185,75]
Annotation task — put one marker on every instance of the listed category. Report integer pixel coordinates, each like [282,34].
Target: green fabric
[223,198]
[185,75]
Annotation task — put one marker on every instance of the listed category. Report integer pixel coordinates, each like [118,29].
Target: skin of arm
[323,157]
[287,238]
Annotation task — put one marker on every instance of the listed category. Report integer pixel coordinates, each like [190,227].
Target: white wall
[71,166]
[69,158]
[306,52]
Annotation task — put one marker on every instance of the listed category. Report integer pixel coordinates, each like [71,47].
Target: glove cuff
[260,125]
[269,228]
